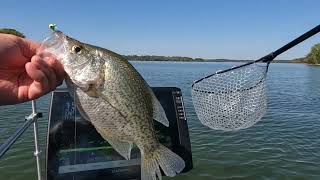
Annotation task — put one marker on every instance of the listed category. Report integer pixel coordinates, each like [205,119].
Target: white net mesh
[231,100]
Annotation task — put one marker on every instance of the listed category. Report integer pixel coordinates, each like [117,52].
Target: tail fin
[170,163]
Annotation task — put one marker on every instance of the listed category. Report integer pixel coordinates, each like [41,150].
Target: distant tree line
[160,58]
[12,31]
[313,56]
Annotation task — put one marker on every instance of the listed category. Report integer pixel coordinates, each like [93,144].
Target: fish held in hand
[113,96]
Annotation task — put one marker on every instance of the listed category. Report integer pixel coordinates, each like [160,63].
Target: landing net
[232,100]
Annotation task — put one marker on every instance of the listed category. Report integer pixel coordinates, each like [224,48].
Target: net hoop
[231,100]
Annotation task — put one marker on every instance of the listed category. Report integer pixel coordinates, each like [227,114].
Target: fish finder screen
[76,149]
[83,148]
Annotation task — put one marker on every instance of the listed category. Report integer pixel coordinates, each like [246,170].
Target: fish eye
[76,49]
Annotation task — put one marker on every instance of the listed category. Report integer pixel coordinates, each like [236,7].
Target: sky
[232,29]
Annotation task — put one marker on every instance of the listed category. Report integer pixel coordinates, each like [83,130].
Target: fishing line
[75,127]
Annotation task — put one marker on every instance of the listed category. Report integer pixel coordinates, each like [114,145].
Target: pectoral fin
[73,93]
[158,111]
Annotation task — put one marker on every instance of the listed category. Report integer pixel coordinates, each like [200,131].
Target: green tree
[12,31]
[314,55]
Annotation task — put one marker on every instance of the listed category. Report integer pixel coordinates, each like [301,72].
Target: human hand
[25,76]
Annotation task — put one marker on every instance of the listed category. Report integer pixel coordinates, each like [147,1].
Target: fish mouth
[56,44]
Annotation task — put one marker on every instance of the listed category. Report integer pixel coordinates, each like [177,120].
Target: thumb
[28,48]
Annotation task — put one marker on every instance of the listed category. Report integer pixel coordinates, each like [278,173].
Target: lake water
[285,144]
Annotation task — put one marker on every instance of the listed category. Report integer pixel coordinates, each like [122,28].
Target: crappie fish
[113,96]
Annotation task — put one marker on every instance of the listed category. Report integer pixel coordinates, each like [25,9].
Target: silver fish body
[114,97]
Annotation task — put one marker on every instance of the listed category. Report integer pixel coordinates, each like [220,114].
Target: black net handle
[268,58]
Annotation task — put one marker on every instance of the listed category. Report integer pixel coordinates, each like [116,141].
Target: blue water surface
[285,144]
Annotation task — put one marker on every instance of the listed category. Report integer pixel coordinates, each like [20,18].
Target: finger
[36,90]
[54,65]
[35,73]
[57,67]
[39,86]
[49,73]
[52,62]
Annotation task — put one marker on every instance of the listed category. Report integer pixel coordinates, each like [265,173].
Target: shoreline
[151,58]
[223,61]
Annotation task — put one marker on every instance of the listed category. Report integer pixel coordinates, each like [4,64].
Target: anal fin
[122,147]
